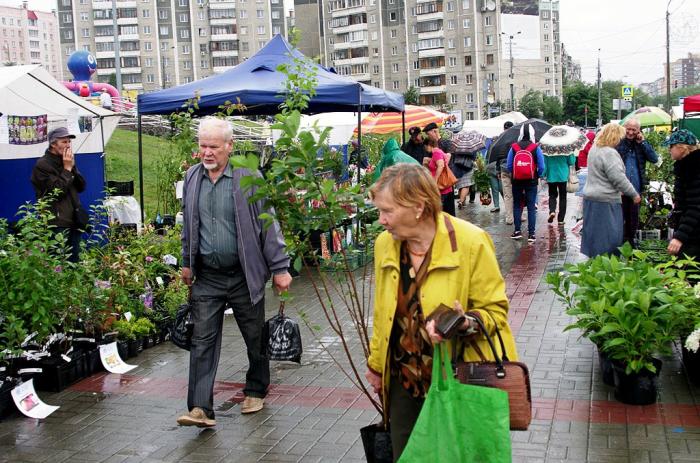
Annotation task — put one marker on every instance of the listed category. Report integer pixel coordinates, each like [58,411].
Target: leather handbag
[446,179]
[512,377]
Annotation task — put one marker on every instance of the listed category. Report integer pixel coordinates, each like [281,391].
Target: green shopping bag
[459,423]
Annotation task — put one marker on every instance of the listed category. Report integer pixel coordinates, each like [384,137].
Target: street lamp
[162,66]
[511,76]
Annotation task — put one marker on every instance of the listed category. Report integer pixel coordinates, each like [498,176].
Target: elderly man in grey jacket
[228,256]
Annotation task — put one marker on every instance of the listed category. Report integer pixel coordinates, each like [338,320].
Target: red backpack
[524,165]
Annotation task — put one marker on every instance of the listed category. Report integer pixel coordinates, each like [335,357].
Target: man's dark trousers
[630,220]
[211,292]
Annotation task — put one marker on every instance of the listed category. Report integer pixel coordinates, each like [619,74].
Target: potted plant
[125,335]
[630,310]
[482,183]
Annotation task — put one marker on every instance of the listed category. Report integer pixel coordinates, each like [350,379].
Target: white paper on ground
[29,403]
[111,359]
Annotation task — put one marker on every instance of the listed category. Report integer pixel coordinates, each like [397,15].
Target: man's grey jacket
[261,251]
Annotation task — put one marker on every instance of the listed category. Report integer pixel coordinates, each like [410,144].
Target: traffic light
[675,84]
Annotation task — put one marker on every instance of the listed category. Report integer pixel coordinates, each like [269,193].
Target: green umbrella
[649,116]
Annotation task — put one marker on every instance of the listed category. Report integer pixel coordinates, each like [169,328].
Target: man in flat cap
[414,146]
[55,172]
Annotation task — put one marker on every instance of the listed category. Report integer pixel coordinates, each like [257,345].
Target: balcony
[439,34]
[348,11]
[433,90]
[127,21]
[350,28]
[348,45]
[128,53]
[364,77]
[429,16]
[128,37]
[222,5]
[107,4]
[134,70]
[104,54]
[138,86]
[223,37]
[437,71]
[105,38]
[431,52]
[220,69]
[103,22]
[222,21]
[350,61]
[224,53]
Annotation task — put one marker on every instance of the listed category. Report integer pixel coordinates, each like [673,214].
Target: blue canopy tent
[259,86]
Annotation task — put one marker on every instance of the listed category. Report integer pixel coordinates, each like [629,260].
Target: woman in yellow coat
[425,258]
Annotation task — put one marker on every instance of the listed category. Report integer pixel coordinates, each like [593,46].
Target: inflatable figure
[83,65]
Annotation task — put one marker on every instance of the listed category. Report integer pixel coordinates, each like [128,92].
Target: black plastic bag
[281,338]
[182,327]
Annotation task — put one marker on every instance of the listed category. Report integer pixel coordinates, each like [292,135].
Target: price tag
[159,280]
[66,358]
[127,315]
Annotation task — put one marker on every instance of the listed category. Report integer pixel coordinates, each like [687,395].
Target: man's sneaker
[251,405]
[516,235]
[531,239]
[196,417]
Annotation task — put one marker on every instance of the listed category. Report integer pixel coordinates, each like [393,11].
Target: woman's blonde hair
[610,135]
[410,185]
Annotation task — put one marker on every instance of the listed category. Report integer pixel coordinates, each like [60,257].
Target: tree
[113,80]
[578,97]
[675,94]
[552,110]
[531,104]
[411,95]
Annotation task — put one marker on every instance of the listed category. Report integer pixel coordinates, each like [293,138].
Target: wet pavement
[313,413]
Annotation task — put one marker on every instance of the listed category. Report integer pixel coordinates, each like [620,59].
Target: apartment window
[148,62]
[546,59]
[547,48]
[492,76]
[372,19]
[375,69]
[467,42]
[184,17]
[84,16]
[546,26]
[184,33]
[394,51]
[242,14]
[164,31]
[489,39]
[450,25]
[262,43]
[244,30]
[489,58]
[392,16]
[85,32]
[261,30]
[201,15]
[162,14]
[453,99]
[260,14]
[465,5]
[148,46]
[547,70]
[470,98]
[450,43]
[244,46]
[150,78]
[187,64]
[450,6]
[453,80]
[186,49]
[546,37]
[414,47]
[547,81]
[393,33]
[545,14]
[374,35]
[470,116]
[146,13]
[67,18]
[275,14]
[85,47]
[396,85]
[391,2]
[128,30]
[468,79]
[453,61]
[488,21]
[416,65]
[375,84]
[204,64]
[395,67]
[68,34]
[147,30]
[183,3]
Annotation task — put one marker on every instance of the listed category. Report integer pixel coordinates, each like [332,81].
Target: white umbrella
[562,140]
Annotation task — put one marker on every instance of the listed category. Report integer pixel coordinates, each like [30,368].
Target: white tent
[32,103]
[342,125]
[494,126]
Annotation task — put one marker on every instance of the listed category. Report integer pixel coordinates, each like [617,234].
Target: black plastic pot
[377,443]
[135,346]
[7,405]
[639,388]
[606,368]
[691,363]
[123,349]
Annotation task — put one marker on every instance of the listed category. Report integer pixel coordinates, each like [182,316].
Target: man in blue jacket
[228,255]
[635,152]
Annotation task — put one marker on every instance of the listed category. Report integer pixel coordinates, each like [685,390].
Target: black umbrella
[499,148]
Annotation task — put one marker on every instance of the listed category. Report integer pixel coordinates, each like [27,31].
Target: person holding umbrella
[466,144]
[559,145]
[499,176]
[526,164]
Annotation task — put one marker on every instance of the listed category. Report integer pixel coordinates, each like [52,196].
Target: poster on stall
[29,403]
[26,130]
[112,361]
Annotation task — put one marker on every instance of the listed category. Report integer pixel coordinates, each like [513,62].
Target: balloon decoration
[83,65]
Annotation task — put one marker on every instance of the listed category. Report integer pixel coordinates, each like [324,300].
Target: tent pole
[138,127]
[403,127]
[102,134]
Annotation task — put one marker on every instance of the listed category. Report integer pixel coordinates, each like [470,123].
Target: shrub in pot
[627,307]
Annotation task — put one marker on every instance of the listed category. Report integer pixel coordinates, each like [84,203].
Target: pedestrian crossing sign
[627,92]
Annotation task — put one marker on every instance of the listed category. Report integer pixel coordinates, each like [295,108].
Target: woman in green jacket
[556,171]
[425,258]
[391,154]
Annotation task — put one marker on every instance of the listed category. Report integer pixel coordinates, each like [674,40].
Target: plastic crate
[121,188]
[643,235]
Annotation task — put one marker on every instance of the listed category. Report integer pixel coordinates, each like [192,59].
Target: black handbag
[182,327]
[281,338]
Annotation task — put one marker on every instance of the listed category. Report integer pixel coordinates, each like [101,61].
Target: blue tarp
[257,84]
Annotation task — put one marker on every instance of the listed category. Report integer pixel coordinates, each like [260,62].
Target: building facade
[29,37]
[466,56]
[165,43]
[685,72]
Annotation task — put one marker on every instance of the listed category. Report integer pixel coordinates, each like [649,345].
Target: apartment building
[456,52]
[685,72]
[165,43]
[29,37]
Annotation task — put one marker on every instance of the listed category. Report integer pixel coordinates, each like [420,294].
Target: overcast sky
[631,34]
